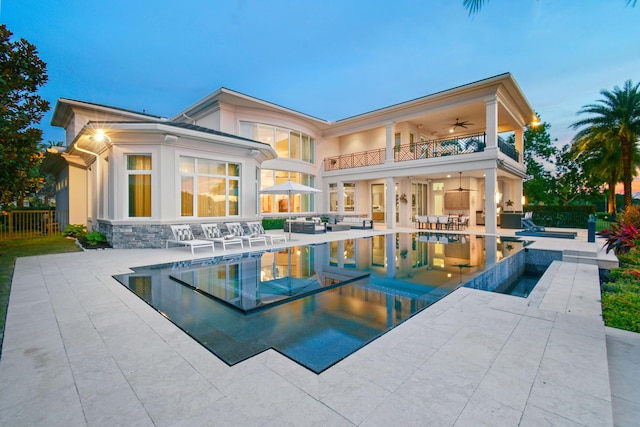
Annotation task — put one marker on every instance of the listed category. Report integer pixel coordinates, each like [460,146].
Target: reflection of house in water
[368,285]
[262,279]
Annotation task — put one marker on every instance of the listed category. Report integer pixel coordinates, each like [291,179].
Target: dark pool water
[316,304]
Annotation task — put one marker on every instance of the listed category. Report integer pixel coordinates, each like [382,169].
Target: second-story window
[288,143]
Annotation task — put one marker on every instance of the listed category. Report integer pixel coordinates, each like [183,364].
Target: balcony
[459,145]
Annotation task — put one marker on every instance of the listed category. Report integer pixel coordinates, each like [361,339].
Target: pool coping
[80,349]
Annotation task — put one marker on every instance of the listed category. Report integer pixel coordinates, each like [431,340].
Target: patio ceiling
[437,124]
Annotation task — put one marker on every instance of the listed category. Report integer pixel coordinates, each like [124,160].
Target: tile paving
[80,349]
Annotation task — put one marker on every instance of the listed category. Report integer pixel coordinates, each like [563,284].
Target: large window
[139,182]
[281,203]
[209,188]
[349,197]
[288,143]
[333,197]
[349,192]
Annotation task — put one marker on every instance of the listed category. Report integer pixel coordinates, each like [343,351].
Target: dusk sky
[329,59]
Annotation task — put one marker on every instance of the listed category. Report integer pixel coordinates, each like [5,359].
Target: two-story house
[130,174]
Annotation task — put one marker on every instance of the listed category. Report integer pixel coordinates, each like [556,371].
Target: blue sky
[331,59]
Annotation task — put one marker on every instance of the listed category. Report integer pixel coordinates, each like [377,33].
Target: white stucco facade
[425,149]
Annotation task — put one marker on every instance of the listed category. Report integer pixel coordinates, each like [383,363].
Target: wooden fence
[31,223]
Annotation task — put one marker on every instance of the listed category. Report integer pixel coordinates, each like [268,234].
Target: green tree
[573,186]
[601,159]
[21,74]
[617,116]
[539,156]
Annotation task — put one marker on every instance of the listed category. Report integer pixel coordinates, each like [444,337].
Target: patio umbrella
[289,188]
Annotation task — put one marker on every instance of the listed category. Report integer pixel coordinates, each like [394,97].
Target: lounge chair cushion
[183,234]
[235,229]
[256,228]
[212,231]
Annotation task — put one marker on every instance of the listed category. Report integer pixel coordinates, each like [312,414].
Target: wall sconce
[100,136]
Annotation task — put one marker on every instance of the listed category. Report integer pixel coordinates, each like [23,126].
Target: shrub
[273,223]
[620,238]
[95,238]
[621,307]
[631,216]
[621,293]
[75,230]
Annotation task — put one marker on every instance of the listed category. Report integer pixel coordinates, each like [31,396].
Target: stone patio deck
[80,349]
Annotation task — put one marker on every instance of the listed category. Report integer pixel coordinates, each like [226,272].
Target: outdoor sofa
[305,226]
[356,222]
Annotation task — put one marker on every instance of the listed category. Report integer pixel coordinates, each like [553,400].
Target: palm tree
[600,156]
[474,6]
[616,116]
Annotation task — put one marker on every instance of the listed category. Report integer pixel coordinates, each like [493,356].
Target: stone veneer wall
[133,236]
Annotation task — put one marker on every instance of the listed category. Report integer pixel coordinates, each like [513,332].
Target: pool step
[590,256]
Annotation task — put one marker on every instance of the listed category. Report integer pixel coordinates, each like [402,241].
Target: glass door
[378,202]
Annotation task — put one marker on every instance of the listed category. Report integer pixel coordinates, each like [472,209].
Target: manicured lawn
[12,249]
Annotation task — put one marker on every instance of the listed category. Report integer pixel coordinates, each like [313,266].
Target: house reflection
[339,295]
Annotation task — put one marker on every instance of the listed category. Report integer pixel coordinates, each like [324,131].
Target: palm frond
[474,6]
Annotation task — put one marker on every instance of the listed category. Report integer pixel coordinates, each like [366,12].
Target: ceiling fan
[461,124]
[460,189]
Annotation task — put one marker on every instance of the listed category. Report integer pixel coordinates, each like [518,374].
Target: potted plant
[403,198]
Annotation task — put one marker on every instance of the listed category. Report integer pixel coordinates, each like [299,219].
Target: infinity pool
[315,304]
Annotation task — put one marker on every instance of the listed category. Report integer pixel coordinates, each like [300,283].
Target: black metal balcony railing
[419,150]
[508,150]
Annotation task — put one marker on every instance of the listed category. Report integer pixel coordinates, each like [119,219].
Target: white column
[405,208]
[518,194]
[490,189]
[340,195]
[390,206]
[390,134]
[492,123]
[519,134]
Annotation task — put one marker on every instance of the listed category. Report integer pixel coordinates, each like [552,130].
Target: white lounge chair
[212,232]
[255,227]
[182,235]
[236,229]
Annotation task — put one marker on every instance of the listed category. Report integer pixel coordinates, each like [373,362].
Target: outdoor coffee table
[338,227]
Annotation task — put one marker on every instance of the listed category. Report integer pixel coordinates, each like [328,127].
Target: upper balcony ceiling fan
[460,189]
[461,124]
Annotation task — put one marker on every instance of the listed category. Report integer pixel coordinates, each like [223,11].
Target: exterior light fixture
[100,136]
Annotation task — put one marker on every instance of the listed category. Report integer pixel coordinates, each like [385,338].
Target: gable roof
[63,111]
